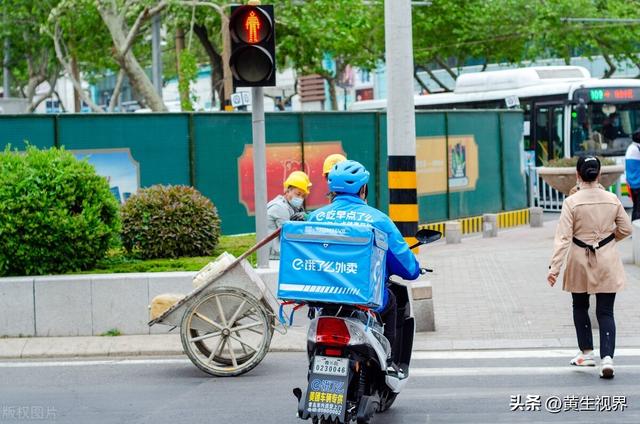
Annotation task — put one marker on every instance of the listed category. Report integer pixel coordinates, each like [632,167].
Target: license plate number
[330,366]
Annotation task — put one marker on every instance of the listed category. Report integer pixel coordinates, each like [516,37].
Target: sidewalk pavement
[488,294]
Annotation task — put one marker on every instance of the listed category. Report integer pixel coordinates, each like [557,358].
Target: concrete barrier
[453,232]
[489,225]
[636,241]
[535,217]
[17,312]
[90,305]
[422,294]
[84,305]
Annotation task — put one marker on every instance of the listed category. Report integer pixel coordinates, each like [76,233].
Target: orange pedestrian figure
[252,24]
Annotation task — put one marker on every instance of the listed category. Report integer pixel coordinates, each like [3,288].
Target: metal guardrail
[542,194]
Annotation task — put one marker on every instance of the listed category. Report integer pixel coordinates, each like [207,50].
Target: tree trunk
[226,56]
[333,96]
[215,62]
[116,91]
[127,60]
[77,104]
[52,86]
[184,95]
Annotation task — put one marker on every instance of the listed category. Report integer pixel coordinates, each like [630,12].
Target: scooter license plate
[330,366]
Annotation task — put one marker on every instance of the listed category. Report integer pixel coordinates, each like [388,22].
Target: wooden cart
[226,324]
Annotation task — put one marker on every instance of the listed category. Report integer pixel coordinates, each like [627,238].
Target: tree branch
[116,91]
[143,16]
[64,109]
[612,66]
[217,7]
[52,87]
[57,43]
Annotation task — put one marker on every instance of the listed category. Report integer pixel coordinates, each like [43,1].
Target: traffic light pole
[259,171]
[401,124]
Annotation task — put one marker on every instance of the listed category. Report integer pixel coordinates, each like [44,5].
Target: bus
[566,111]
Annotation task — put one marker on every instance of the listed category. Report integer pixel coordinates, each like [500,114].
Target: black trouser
[389,318]
[634,193]
[606,321]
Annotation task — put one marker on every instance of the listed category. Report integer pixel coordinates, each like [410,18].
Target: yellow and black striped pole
[403,195]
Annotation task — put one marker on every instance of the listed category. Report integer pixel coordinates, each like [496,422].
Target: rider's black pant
[606,322]
[389,318]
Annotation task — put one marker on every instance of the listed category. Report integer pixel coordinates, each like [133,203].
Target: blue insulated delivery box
[333,263]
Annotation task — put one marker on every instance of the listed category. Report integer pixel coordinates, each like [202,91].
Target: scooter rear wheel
[386,400]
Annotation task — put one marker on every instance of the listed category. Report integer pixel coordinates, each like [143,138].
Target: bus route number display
[608,95]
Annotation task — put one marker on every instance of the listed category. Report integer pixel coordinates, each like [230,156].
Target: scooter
[348,378]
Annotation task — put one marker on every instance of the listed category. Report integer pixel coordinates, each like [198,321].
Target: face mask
[297,202]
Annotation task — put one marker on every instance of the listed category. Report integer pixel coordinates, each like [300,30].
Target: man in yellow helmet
[288,206]
[328,165]
[330,161]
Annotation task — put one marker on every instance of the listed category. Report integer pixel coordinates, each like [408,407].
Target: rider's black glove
[298,216]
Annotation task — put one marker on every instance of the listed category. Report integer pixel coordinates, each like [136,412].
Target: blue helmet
[348,177]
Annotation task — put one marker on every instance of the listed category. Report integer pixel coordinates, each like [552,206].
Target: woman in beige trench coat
[591,222]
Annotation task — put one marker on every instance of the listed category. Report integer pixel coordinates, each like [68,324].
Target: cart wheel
[226,333]
[241,358]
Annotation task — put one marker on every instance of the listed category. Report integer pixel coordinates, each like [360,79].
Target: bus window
[549,133]
[606,130]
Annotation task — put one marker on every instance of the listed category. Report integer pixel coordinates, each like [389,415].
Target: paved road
[445,387]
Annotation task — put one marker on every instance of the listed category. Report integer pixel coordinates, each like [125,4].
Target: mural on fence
[282,159]
[118,166]
[439,164]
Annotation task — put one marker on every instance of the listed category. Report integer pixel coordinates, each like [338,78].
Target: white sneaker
[584,360]
[606,367]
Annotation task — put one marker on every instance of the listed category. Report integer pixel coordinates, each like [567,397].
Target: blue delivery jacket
[350,209]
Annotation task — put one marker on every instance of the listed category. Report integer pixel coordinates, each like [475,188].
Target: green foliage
[169,222]
[349,31]
[117,261]
[114,332]
[56,214]
[514,31]
[188,74]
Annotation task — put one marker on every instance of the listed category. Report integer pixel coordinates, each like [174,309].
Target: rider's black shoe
[395,371]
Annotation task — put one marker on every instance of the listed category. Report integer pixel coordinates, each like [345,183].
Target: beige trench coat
[591,214]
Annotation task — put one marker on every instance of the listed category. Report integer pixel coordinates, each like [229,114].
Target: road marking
[36,364]
[503,371]
[509,354]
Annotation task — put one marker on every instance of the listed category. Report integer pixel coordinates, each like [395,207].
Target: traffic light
[253,46]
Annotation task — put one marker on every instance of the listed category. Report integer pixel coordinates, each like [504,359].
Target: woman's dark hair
[588,167]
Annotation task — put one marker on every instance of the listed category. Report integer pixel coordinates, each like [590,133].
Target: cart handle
[260,244]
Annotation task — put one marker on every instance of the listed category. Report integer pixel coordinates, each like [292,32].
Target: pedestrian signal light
[252,62]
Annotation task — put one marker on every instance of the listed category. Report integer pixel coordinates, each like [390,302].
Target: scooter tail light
[332,332]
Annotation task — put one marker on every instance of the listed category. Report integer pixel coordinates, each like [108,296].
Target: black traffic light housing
[253,46]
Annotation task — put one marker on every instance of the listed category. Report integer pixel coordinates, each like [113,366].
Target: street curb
[170,345]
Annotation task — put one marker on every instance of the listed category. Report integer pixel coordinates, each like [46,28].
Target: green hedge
[56,214]
[169,222]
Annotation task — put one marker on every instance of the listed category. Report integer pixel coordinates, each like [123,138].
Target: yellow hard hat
[298,179]
[330,161]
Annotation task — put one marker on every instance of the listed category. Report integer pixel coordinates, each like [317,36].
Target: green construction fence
[469,162]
